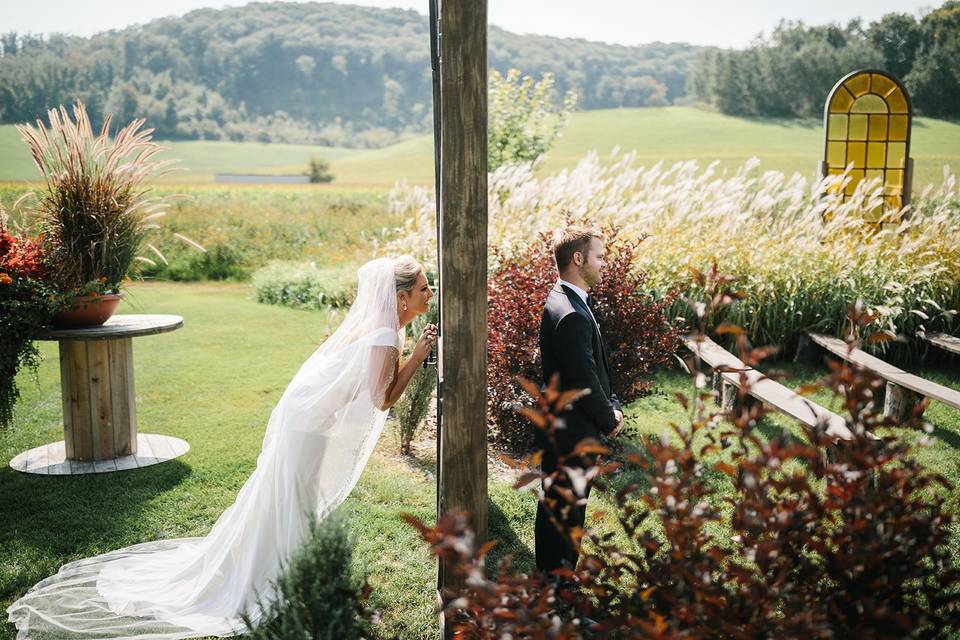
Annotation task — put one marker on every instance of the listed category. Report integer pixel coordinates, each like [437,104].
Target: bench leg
[807,352]
[899,402]
[716,382]
[728,395]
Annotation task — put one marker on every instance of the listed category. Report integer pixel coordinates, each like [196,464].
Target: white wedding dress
[318,439]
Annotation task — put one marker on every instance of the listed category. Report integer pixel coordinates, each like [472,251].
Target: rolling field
[668,134]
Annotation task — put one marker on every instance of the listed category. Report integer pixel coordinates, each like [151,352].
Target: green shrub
[412,406]
[218,262]
[319,170]
[302,285]
[318,596]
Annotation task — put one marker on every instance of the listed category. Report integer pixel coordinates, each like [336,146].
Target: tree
[897,37]
[319,171]
[934,81]
[524,121]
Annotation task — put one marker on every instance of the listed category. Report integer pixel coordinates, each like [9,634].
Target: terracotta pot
[87,311]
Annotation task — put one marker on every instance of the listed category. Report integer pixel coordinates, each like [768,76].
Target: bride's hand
[426,343]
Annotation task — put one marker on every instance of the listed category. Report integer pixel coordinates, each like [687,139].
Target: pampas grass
[803,255]
[96,209]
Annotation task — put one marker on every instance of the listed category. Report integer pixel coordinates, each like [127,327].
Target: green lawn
[214,383]
[668,134]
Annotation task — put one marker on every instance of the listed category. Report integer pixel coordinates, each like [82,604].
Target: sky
[724,23]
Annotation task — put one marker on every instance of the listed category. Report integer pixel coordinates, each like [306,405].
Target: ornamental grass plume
[96,210]
[800,267]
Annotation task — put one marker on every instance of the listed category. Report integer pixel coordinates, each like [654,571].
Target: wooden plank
[126,462]
[40,461]
[887,371]
[146,455]
[59,466]
[945,341]
[770,391]
[463,264]
[101,412]
[161,446]
[81,467]
[122,400]
[118,326]
[104,466]
[713,354]
[73,358]
[179,446]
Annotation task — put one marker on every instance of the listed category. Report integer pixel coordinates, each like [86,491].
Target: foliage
[412,407]
[791,72]
[798,271]
[809,546]
[319,171]
[317,596]
[95,210]
[301,72]
[302,285]
[27,302]
[635,326]
[523,122]
[243,229]
[934,80]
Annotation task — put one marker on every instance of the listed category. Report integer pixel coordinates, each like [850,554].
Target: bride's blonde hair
[406,269]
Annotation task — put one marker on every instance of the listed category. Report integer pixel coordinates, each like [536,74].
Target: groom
[572,346]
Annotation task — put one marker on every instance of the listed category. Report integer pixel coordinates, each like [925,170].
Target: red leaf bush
[635,325]
[848,545]
[27,302]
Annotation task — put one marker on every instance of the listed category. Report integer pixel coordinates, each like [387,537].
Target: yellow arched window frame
[867,120]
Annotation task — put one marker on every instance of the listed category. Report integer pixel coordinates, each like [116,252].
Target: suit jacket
[571,345]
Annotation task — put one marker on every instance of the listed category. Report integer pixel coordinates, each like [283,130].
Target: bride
[318,439]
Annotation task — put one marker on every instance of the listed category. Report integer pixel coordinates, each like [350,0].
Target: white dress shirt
[583,296]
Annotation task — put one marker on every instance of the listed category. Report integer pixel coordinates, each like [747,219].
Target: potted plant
[96,208]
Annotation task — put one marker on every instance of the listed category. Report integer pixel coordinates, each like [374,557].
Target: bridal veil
[317,442]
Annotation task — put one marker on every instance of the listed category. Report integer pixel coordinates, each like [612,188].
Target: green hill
[668,134]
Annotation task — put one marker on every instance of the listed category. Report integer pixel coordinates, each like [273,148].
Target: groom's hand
[619,416]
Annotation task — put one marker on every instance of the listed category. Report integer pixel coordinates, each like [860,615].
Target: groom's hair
[570,240]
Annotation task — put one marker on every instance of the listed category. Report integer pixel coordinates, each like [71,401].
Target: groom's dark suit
[571,345]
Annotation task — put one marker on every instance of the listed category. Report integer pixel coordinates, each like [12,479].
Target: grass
[243,227]
[214,383]
[668,133]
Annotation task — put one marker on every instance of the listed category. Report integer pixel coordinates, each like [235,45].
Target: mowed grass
[214,383]
[666,134]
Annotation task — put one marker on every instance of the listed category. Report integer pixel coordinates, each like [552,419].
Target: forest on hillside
[346,75]
[790,73]
[302,72]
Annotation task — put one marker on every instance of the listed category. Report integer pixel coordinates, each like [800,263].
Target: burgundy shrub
[635,325]
[853,543]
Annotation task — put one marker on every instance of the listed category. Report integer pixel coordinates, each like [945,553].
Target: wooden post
[900,402]
[463,262]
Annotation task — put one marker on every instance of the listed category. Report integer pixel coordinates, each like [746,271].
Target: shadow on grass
[498,526]
[947,436]
[54,519]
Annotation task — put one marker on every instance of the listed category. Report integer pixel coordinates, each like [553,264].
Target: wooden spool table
[99,408]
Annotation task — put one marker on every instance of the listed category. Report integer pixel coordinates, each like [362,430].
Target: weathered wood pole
[463,262]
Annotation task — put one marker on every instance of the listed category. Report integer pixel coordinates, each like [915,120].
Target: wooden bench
[945,341]
[903,390]
[771,392]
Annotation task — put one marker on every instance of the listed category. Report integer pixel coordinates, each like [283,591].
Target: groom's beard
[590,277]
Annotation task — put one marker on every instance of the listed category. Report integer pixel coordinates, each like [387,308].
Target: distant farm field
[657,134]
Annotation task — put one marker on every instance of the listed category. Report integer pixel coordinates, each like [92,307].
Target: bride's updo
[406,269]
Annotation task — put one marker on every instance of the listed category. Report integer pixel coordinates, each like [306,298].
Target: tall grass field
[669,134]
